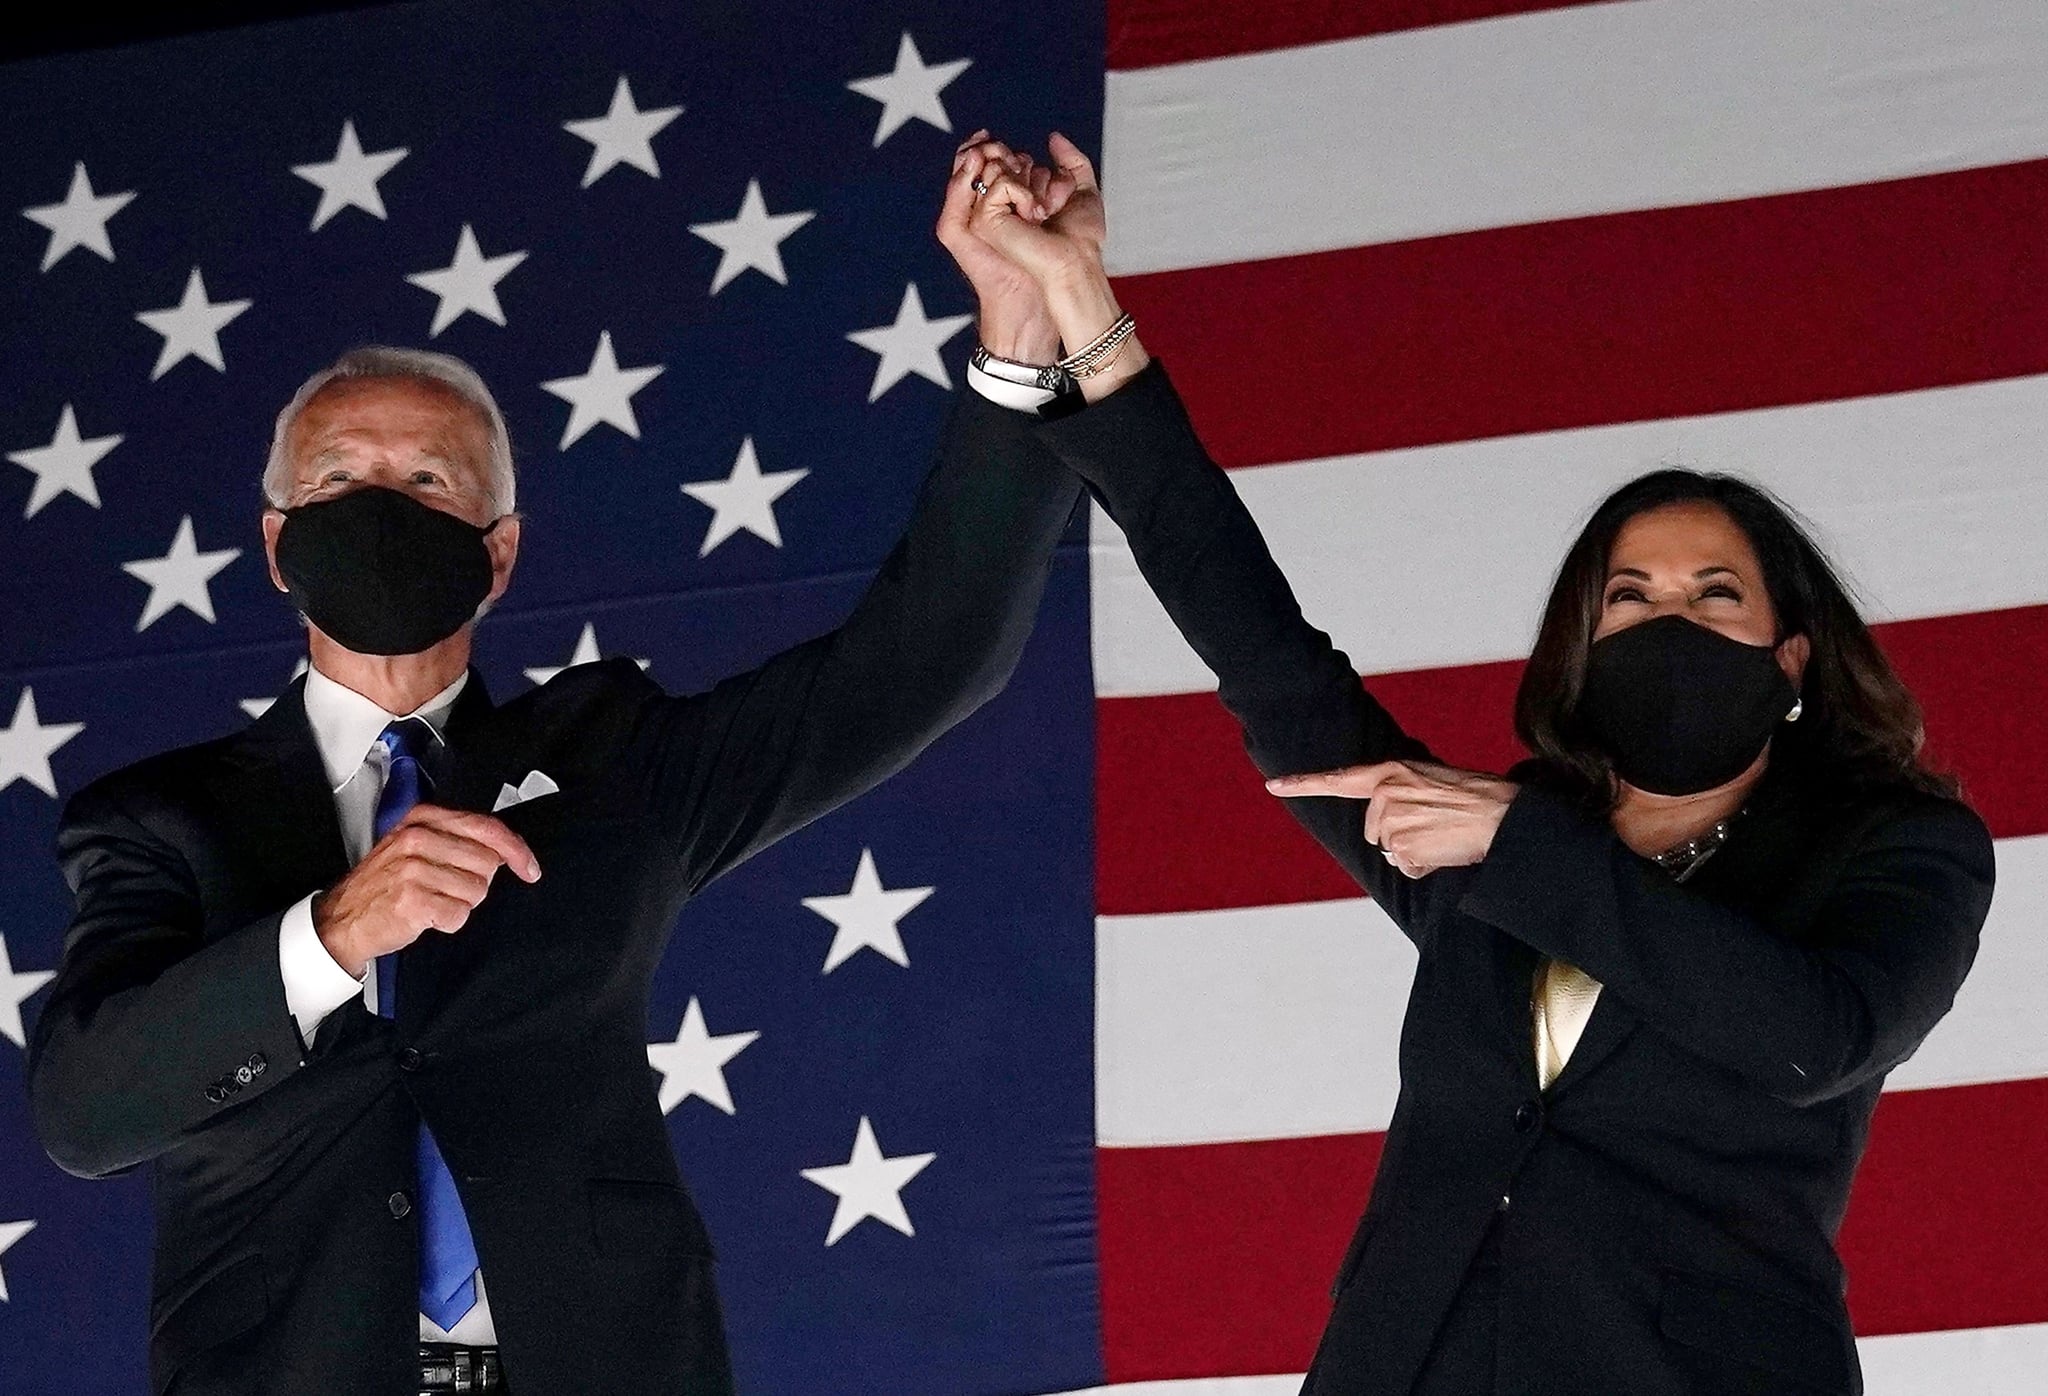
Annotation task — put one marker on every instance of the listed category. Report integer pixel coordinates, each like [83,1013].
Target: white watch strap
[1023,397]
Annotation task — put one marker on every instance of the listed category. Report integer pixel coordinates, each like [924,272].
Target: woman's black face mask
[1680,708]
[382,573]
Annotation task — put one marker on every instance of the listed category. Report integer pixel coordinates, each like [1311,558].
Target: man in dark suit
[385,1043]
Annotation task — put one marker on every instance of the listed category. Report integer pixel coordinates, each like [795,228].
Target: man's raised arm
[937,634]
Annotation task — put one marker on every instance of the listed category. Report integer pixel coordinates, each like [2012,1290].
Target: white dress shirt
[346,726]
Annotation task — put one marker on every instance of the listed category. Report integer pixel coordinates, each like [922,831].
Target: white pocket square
[536,784]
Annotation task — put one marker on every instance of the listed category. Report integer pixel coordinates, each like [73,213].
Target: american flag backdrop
[1060,1062]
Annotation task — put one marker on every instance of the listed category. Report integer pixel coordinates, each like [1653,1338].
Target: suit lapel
[1514,970]
[279,805]
[276,769]
[463,780]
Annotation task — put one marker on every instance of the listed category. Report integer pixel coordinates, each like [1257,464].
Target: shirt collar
[346,724]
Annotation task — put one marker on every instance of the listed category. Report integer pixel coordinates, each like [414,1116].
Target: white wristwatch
[1025,387]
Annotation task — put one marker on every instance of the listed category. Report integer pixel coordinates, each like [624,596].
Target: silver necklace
[1685,860]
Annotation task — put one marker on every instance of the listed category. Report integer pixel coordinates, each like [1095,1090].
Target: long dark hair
[1860,726]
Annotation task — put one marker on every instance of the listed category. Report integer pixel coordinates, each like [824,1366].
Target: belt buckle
[446,1370]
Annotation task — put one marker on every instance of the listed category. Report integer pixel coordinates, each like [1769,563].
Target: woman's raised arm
[1297,697]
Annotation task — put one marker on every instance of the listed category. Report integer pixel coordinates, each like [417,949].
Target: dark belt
[446,1368]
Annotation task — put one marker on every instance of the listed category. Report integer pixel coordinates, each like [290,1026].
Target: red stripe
[1149,33]
[1217,1258]
[1763,302]
[1945,1226]
[1222,841]
[1979,680]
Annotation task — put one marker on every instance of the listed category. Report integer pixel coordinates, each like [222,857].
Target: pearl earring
[1798,707]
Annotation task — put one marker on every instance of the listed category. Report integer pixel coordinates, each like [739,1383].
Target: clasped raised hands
[1045,221]
[1029,237]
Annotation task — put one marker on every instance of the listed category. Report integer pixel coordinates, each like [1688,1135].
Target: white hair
[385,361]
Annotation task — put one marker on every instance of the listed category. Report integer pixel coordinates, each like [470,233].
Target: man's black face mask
[1680,708]
[382,573]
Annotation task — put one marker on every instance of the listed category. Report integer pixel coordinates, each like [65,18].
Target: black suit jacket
[283,1261]
[1665,1213]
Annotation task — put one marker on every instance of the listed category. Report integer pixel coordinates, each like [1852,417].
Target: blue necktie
[447,1251]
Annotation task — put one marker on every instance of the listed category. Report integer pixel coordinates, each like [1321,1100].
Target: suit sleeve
[1803,1021]
[937,634]
[150,1029]
[1294,693]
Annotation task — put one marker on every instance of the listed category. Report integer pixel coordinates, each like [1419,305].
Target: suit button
[409,1059]
[216,1093]
[399,1204]
[245,1074]
[1525,1117]
[257,1061]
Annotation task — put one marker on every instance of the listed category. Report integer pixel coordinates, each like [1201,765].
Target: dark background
[60,29]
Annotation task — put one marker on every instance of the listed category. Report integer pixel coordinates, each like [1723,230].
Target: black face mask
[1680,708]
[381,572]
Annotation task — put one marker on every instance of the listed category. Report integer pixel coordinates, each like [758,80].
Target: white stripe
[1931,501]
[1560,114]
[1260,1023]
[1980,1361]
[1284,1022]
[1998,1029]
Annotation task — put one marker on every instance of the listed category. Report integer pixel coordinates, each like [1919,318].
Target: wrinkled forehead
[399,419]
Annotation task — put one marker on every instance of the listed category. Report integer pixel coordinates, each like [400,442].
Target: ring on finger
[978,187]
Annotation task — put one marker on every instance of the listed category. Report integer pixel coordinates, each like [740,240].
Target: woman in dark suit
[1665,964]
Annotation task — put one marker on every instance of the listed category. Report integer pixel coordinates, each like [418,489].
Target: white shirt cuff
[314,985]
[1022,397]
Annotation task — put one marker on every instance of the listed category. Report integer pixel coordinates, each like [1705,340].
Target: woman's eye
[1621,594]
[1722,589]
[425,477]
